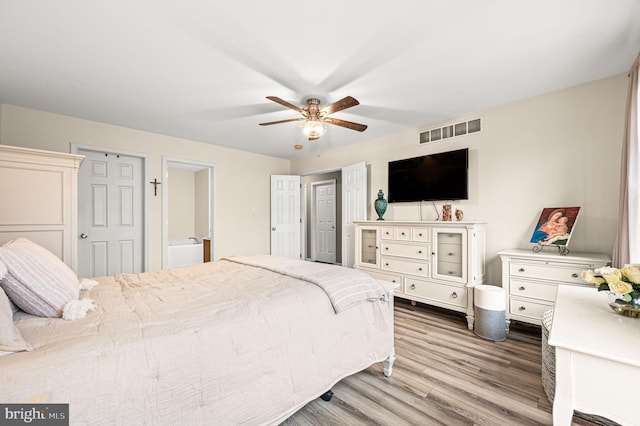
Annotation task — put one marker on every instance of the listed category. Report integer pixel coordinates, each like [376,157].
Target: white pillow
[36,280]
[11,339]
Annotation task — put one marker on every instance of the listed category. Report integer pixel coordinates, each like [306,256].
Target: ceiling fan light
[313,129]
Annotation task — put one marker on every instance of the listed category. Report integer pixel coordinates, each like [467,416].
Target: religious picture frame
[555,227]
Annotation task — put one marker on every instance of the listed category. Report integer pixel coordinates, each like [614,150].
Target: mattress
[215,343]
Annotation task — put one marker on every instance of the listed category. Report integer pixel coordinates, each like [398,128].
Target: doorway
[112,214]
[323,226]
[187,212]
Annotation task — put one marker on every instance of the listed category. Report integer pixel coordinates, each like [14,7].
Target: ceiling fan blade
[343,103]
[284,103]
[282,121]
[347,124]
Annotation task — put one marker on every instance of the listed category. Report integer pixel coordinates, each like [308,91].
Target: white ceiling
[201,69]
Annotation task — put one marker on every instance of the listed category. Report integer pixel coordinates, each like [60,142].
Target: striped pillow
[37,281]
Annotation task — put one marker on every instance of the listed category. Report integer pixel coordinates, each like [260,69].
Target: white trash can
[489,310]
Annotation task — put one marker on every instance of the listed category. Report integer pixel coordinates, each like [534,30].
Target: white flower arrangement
[624,282]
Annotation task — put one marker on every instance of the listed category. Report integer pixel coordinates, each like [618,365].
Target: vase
[622,307]
[380,205]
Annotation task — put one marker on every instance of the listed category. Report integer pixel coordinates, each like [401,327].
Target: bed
[242,340]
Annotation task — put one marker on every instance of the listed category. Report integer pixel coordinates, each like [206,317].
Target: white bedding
[215,343]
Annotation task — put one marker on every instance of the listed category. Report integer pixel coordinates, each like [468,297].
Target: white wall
[242,199]
[559,149]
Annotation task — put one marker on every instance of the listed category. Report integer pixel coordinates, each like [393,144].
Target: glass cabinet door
[450,261]
[369,254]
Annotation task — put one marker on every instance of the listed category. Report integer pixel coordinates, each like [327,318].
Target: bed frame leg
[327,395]
[388,363]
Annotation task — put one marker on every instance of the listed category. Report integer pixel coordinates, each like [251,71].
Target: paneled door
[286,216]
[324,221]
[110,214]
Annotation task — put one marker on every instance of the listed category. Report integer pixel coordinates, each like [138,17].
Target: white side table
[597,358]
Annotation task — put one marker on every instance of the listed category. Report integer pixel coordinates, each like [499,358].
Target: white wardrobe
[39,199]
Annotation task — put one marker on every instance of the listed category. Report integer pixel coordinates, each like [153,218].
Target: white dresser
[39,191]
[531,279]
[437,263]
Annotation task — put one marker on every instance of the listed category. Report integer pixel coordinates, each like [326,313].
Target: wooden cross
[155,186]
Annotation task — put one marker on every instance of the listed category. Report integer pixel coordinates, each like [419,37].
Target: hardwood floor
[443,375]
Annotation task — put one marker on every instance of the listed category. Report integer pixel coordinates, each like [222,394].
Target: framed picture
[555,225]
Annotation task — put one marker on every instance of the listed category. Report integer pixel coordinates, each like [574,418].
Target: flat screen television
[434,177]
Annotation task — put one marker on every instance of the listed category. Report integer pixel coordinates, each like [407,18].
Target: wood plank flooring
[443,375]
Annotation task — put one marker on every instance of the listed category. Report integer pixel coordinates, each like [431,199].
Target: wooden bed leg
[327,395]
[388,363]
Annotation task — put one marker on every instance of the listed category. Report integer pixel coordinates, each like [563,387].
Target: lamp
[313,129]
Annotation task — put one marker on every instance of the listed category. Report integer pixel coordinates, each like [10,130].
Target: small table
[597,358]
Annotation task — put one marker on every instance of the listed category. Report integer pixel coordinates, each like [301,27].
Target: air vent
[451,131]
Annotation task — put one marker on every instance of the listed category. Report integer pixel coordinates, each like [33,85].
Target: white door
[354,207]
[110,214]
[285,216]
[324,221]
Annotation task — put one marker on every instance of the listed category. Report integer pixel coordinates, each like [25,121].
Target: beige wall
[241,200]
[560,149]
[182,193]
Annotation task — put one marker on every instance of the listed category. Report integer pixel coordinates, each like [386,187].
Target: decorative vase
[622,307]
[380,205]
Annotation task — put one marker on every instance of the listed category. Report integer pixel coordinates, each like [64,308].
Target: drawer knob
[393,281]
[420,234]
[521,270]
[386,248]
[419,251]
[521,308]
[413,286]
[521,288]
[420,269]
[454,295]
[450,254]
[574,275]
[451,272]
[433,253]
[386,264]
[402,233]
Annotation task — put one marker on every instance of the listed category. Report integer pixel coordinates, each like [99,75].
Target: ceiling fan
[315,115]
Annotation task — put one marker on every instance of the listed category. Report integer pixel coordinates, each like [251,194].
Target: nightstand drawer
[451,295]
[406,250]
[529,309]
[561,274]
[406,267]
[534,290]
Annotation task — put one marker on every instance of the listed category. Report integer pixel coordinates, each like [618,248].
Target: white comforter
[216,343]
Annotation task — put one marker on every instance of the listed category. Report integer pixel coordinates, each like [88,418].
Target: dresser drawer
[562,274]
[421,234]
[534,290]
[451,295]
[384,276]
[388,233]
[406,266]
[529,309]
[403,233]
[406,250]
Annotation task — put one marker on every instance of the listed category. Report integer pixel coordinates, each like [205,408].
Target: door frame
[305,213]
[76,147]
[313,213]
[165,203]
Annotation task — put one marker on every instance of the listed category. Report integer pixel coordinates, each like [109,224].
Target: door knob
[83,236]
